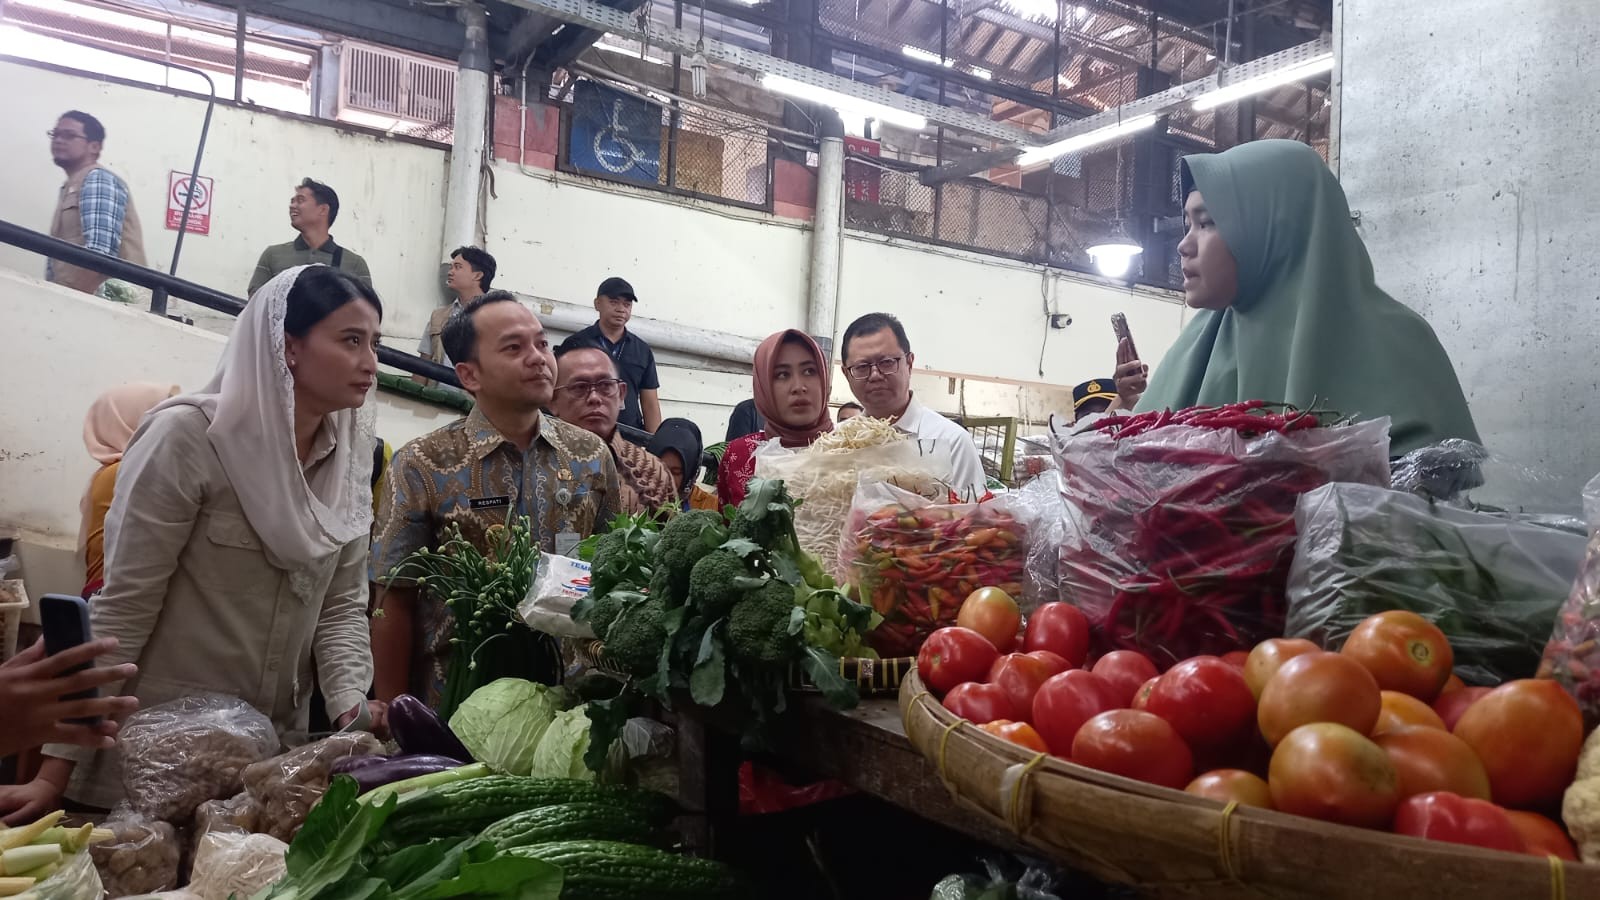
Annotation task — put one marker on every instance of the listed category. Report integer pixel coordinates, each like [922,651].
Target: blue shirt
[102,206]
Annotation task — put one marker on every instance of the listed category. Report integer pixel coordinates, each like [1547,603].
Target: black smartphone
[66,625]
[1119,324]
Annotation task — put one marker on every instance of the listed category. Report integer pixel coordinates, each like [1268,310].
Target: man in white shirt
[877,361]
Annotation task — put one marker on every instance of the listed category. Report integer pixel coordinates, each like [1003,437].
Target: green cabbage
[503,721]
[560,751]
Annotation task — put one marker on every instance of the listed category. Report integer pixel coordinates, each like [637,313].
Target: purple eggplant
[346,764]
[417,729]
[399,768]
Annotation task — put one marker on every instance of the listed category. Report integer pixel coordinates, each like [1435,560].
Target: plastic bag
[1023,879]
[178,755]
[228,865]
[1039,502]
[826,483]
[76,880]
[1572,656]
[1449,470]
[1178,540]
[915,561]
[289,784]
[142,858]
[239,813]
[1491,582]
[561,582]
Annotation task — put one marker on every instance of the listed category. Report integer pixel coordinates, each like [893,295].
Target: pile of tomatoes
[1379,735]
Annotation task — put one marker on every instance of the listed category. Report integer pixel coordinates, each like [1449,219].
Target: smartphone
[1119,324]
[66,625]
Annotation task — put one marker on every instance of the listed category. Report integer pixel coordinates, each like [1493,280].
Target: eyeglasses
[580,390]
[863,371]
[56,133]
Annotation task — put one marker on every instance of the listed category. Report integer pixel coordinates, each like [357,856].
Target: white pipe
[827,235]
[471,126]
[660,335]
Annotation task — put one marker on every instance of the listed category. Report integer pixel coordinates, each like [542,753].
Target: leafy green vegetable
[502,722]
[561,751]
[324,858]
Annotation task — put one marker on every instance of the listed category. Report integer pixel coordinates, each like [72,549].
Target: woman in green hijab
[1288,308]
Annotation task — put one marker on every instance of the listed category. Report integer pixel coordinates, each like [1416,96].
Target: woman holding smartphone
[236,544]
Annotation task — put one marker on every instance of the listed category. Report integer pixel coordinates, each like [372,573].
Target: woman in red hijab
[792,381]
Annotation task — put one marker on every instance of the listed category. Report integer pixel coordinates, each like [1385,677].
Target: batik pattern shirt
[469,475]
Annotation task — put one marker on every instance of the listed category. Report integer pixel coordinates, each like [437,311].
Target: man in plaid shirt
[94,209]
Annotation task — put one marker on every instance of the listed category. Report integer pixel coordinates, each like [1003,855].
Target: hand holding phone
[66,625]
[1132,376]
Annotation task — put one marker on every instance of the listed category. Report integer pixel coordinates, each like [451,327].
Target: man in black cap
[1092,398]
[636,363]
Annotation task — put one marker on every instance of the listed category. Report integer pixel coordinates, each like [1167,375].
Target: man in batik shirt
[589,394]
[505,460]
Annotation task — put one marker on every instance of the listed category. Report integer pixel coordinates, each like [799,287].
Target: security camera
[1059,321]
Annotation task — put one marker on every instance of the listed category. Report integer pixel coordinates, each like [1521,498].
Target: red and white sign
[862,181]
[199,208]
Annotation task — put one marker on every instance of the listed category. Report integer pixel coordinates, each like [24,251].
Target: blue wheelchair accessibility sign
[614,134]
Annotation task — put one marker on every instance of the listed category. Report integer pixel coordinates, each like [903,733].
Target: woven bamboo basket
[1172,843]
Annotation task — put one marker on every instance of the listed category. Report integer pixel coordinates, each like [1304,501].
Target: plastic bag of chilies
[1178,540]
[1572,657]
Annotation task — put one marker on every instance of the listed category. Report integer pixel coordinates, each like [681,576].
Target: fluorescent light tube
[1267,82]
[1085,141]
[844,103]
[925,55]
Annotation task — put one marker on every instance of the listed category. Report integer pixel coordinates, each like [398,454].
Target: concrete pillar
[461,226]
[827,233]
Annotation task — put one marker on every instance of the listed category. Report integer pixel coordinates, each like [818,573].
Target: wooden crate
[1168,842]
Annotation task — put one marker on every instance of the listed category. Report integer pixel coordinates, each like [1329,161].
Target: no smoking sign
[178,188]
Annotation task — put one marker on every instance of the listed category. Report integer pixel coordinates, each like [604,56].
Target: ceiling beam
[432,31]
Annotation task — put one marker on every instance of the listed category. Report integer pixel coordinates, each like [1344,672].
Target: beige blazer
[195,600]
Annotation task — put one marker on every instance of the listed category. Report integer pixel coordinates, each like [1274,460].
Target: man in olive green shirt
[312,210]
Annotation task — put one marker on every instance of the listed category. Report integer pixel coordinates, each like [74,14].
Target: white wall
[1477,203]
[55,365]
[390,191]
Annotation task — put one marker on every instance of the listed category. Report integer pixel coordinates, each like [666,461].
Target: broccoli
[688,537]
[759,626]
[601,613]
[767,518]
[636,637]
[719,580]
[610,553]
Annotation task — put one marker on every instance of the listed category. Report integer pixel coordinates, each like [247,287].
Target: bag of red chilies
[1180,525]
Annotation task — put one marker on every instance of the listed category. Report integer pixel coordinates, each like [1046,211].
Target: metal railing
[198,294]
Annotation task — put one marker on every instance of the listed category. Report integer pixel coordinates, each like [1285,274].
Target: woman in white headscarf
[236,545]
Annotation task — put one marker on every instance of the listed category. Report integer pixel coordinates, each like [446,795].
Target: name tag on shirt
[490,502]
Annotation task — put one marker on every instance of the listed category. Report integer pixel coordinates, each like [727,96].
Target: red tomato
[1206,700]
[1065,702]
[1134,744]
[1054,661]
[1125,671]
[1236,658]
[1451,704]
[1020,676]
[1404,652]
[1270,655]
[1443,816]
[1319,687]
[1528,734]
[1432,759]
[1060,628]
[1020,733]
[1141,700]
[1400,710]
[1332,772]
[954,655]
[978,703]
[1223,785]
[992,613]
[1540,836]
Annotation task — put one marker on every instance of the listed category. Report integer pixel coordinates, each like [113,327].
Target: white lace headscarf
[302,521]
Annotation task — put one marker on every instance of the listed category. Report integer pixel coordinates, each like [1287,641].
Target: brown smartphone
[1119,324]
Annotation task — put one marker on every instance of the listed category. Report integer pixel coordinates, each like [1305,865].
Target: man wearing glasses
[877,360]
[590,395]
[636,362]
[95,209]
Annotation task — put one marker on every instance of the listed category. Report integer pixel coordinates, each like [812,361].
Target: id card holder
[567,543]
